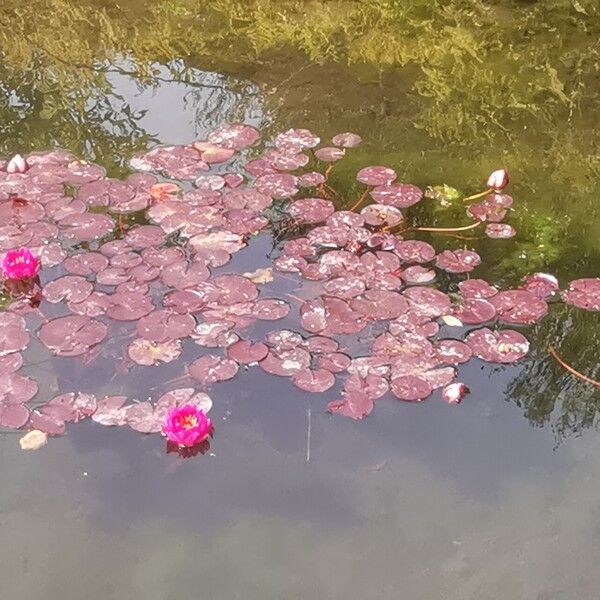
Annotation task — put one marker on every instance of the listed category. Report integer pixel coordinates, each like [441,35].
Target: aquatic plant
[147,258]
[20,264]
[187,426]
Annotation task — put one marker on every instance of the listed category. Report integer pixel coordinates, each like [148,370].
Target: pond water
[494,497]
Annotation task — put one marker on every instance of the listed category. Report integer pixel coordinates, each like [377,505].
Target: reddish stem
[570,369]
[359,201]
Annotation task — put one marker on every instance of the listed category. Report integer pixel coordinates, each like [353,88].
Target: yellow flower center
[188,421]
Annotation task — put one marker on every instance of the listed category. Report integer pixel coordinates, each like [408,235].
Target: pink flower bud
[20,264]
[17,164]
[454,392]
[187,426]
[498,180]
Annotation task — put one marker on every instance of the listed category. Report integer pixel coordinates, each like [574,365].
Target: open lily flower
[20,264]
[187,426]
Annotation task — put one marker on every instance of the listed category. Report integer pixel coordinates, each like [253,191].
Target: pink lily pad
[541,285]
[311,179]
[129,306]
[300,137]
[381,214]
[72,335]
[311,210]
[330,154]
[246,353]
[164,325]
[13,333]
[452,352]
[500,231]
[477,288]
[356,405]
[411,388]
[428,301]
[213,154]
[285,363]
[375,386]
[72,288]
[277,185]
[334,362]
[16,389]
[110,411]
[235,136]
[87,227]
[376,175]
[400,195]
[418,275]
[145,352]
[86,263]
[505,346]
[415,251]
[583,293]
[474,311]
[211,369]
[313,380]
[458,261]
[347,140]
[519,306]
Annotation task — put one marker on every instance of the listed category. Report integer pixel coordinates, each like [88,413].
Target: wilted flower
[454,392]
[498,180]
[20,264]
[187,426]
[17,164]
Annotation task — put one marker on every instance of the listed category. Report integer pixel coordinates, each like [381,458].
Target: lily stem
[480,195]
[360,200]
[570,369]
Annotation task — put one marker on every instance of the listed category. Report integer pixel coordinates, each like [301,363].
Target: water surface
[494,498]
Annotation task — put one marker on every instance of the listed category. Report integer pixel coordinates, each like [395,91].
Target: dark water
[495,498]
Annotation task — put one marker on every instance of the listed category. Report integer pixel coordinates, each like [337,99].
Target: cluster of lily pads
[84,253]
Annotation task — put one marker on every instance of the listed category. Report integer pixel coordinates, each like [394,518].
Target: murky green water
[495,498]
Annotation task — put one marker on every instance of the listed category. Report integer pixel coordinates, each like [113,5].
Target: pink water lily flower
[20,264]
[498,180]
[17,164]
[187,426]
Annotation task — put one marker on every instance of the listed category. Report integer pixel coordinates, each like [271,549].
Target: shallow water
[496,497]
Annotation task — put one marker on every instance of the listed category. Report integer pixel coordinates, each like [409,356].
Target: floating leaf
[356,405]
[313,380]
[518,306]
[458,261]
[145,352]
[500,231]
[347,140]
[411,388]
[505,346]
[329,154]
[400,195]
[376,175]
[311,210]
[110,411]
[72,335]
[13,333]
[211,369]
[235,136]
[245,352]
[583,293]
